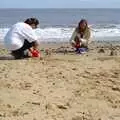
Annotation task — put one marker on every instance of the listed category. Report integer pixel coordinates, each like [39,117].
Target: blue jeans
[81,50]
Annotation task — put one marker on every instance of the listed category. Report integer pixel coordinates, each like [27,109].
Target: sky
[59,3]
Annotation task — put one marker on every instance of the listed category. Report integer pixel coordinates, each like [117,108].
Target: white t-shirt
[15,37]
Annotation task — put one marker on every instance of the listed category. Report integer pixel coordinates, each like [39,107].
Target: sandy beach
[63,85]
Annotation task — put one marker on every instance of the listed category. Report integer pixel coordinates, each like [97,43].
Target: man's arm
[29,34]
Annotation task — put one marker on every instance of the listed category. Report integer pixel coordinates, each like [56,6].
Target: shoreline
[60,47]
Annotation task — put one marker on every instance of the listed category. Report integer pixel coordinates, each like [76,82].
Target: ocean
[58,24]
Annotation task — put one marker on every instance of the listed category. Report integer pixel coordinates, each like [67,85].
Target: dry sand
[62,86]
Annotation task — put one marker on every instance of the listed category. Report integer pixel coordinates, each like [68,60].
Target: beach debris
[116,89]
[36,103]
[9,106]
[25,85]
[8,85]
[97,81]
[28,84]
[42,49]
[74,68]
[60,73]
[101,50]
[62,49]
[2,114]
[113,52]
[26,113]
[65,51]
[63,76]
[83,116]
[85,76]
[15,113]
[88,72]
[62,107]
[48,52]
[53,83]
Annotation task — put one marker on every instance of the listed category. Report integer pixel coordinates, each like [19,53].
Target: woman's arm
[72,39]
[28,33]
[87,36]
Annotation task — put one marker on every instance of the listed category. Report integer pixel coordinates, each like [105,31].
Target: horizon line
[59,8]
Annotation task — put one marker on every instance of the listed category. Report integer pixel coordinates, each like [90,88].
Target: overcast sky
[60,4]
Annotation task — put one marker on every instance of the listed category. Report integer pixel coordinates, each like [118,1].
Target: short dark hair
[31,21]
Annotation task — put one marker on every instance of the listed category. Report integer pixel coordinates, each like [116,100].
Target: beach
[63,85]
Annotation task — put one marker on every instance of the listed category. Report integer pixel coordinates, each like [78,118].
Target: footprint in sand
[74,69]
[15,113]
[25,86]
[116,89]
[2,115]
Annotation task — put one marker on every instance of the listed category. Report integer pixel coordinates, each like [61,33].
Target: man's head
[33,22]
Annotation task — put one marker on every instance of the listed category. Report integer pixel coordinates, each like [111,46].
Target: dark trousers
[20,53]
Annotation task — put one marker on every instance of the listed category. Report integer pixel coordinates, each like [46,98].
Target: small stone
[8,105]
[60,73]
[62,107]
[78,75]
[35,103]
[53,83]
[15,113]
[88,72]
[63,76]
[97,81]
[1,115]
[116,89]
[74,68]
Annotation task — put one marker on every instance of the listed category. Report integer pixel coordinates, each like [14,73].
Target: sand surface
[62,86]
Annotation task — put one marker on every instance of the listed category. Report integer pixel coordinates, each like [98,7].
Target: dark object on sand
[65,51]
[48,52]
[113,53]
[101,50]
